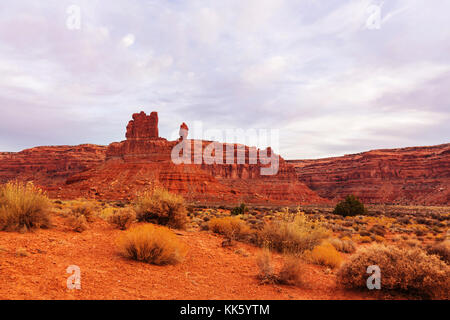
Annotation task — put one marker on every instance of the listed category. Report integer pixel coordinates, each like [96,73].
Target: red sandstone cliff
[144,160]
[416,175]
[49,166]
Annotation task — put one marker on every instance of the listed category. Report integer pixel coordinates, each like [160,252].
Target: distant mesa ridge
[413,175]
[417,175]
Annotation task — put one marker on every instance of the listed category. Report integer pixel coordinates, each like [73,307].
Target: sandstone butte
[415,175]
[143,161]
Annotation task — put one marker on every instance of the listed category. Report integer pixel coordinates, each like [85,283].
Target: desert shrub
[152,244]
[162,207]
[343,245]
[78,223]
[265,266]
[292,236]
[364,233]
[122,218]
[231,227]
[23,206]
[22,252]
[325,254]
[404,269]
[290,273]
[404,220]
[105,213]
[79,216]
[365,239]
[378,230]
[351,206]
[84,209]
[239,210]
[441,249]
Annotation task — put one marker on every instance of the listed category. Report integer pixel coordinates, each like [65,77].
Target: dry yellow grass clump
[231,227]
[80,214]
[325,254]
[162,207]
[404,269]
[292,235]
[23,206]
[122,218]
[152,244]
[343,245]
[291,272]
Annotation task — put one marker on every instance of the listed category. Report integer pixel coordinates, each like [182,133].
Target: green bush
[351,206]
[239,210]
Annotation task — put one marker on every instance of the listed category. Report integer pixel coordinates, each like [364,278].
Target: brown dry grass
[343,245]
[441,249]
[291,272]
[23,206]
[231,227]
[404,269]
[294,236]
[325,254]
[152,244]
[162,207]
[122,218]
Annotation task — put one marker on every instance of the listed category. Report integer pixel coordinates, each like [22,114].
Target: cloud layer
[313,69]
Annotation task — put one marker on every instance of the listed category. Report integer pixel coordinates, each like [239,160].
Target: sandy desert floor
[209,271]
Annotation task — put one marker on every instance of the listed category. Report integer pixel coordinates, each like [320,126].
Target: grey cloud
[309,68]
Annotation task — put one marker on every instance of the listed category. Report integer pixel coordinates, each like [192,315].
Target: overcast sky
[328,74]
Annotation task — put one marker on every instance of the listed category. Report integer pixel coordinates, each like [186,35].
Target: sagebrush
[409,270]
[23,206]
[162,207]
[292,236]
[152,244]
[231,227]
[122,218]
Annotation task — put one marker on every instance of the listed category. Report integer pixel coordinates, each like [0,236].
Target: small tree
[242,209]
[351,206]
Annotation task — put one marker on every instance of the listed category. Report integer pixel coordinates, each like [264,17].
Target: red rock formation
[184,130]
[417,175]
[49,166]
[143,126]
[138,163]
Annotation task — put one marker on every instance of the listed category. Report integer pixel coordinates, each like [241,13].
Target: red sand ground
[208,272]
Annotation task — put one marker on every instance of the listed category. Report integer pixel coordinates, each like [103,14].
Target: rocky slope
[416,175]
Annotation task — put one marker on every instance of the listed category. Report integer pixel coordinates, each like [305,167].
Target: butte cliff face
[144,160]
[49,166]
[417,175]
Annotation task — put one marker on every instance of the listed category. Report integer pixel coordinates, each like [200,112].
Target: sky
[332,77]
